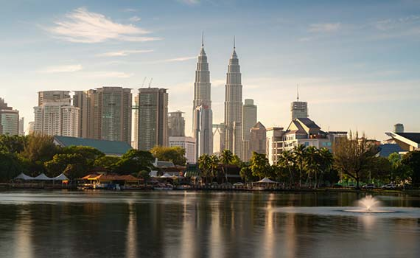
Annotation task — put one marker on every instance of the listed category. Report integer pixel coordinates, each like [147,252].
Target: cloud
[82,26]
[324,27]
[125,53]
[120,75]
[178,59]
[189,2]
[390,24]
[62,69]
[135,19]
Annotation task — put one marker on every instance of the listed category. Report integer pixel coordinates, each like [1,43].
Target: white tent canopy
[42,177]
[61,177]
[24,177]
[267,181]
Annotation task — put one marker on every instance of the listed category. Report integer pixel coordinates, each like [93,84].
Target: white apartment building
[188,143]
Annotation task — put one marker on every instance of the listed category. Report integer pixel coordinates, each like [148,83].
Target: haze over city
[356,63]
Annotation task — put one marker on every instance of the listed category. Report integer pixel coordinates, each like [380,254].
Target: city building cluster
[143,121]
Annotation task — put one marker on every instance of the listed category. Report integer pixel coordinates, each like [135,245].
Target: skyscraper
[249,119]
[105,113]
[233,106]
[257,141]
[299,109]
[152,118]
[9,119]
[176,124]
[202,113]
[53,96]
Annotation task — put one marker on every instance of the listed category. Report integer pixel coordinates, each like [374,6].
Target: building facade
[299,109]
[188,143]
[202,112]
[233,106]
[152,118]
[176,124]
[249,119]
[9,119]
[258,138]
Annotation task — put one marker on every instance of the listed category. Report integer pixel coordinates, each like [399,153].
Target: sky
[356,62]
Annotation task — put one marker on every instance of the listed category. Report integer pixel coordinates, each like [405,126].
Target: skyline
[333,54]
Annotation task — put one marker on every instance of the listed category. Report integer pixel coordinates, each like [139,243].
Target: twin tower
[202,112]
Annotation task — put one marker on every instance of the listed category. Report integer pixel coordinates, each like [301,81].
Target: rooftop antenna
[150,83]
[297,92]
[142,85]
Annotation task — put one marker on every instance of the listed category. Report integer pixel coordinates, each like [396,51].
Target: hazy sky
[356,62]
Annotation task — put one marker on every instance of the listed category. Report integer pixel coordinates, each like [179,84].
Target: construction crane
[144,80]
[150,83]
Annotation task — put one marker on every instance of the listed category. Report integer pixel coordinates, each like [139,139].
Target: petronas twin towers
[202,112]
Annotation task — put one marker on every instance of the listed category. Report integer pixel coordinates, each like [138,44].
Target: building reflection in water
[131,242]
[22,246]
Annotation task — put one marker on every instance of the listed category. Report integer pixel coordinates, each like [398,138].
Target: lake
[204,224]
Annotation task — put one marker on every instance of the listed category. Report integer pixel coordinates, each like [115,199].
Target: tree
[38,150]
[107,162]
[399,172]
[174,154]
[89,153]
[73,165]
[326,160]
[204,164]
[299,153]
[312,163]
[145,175]
[353,155]
[412,161]
[13,144]
[286,161]
[134,161]
[260,166]
[246,174]
[226,158]
[214,164]
[10,165]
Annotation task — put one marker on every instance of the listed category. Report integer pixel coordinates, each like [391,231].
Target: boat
[163,187]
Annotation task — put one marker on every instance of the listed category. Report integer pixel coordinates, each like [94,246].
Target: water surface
[203,224]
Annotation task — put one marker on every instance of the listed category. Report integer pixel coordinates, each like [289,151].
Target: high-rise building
[249,119]
[152,118]
[135,134]
[257,141]
[202,113]
[299,109]
[53,96]
[9,119]
[105,113]
[218,138]
[22,126]
[274,136]
[188,143]
[233,106]
[57,118]
[176,124]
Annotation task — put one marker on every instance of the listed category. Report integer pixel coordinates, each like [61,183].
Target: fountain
[369,204]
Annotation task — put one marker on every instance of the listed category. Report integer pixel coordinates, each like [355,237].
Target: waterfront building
[249,119]
[188,143]
[233,106]
[407,141]
[258,138]
[274,143]
[105,113]
[202,112]
[152,118]
[176,124]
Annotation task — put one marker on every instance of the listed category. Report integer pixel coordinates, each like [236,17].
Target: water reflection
[185,224]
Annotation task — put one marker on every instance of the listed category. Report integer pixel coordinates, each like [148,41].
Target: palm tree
[286,161]
[204,165]
[326,160]
[312,163]
[226,158]
[214,163]
[259,165]
[299,153]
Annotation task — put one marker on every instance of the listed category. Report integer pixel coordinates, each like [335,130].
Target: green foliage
[412,161]
[246,174]
[260,166]
[352,156]
[107,162]
[89,153]
[10,166]
[72,165]
[145,175]
[174,154]
[13,144]
[208,166]
[134,161]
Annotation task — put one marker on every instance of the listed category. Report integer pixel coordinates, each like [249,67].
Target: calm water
[189,224]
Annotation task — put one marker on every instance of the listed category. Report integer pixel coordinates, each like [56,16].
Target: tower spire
[202,39]
[234,43]
[297,90]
